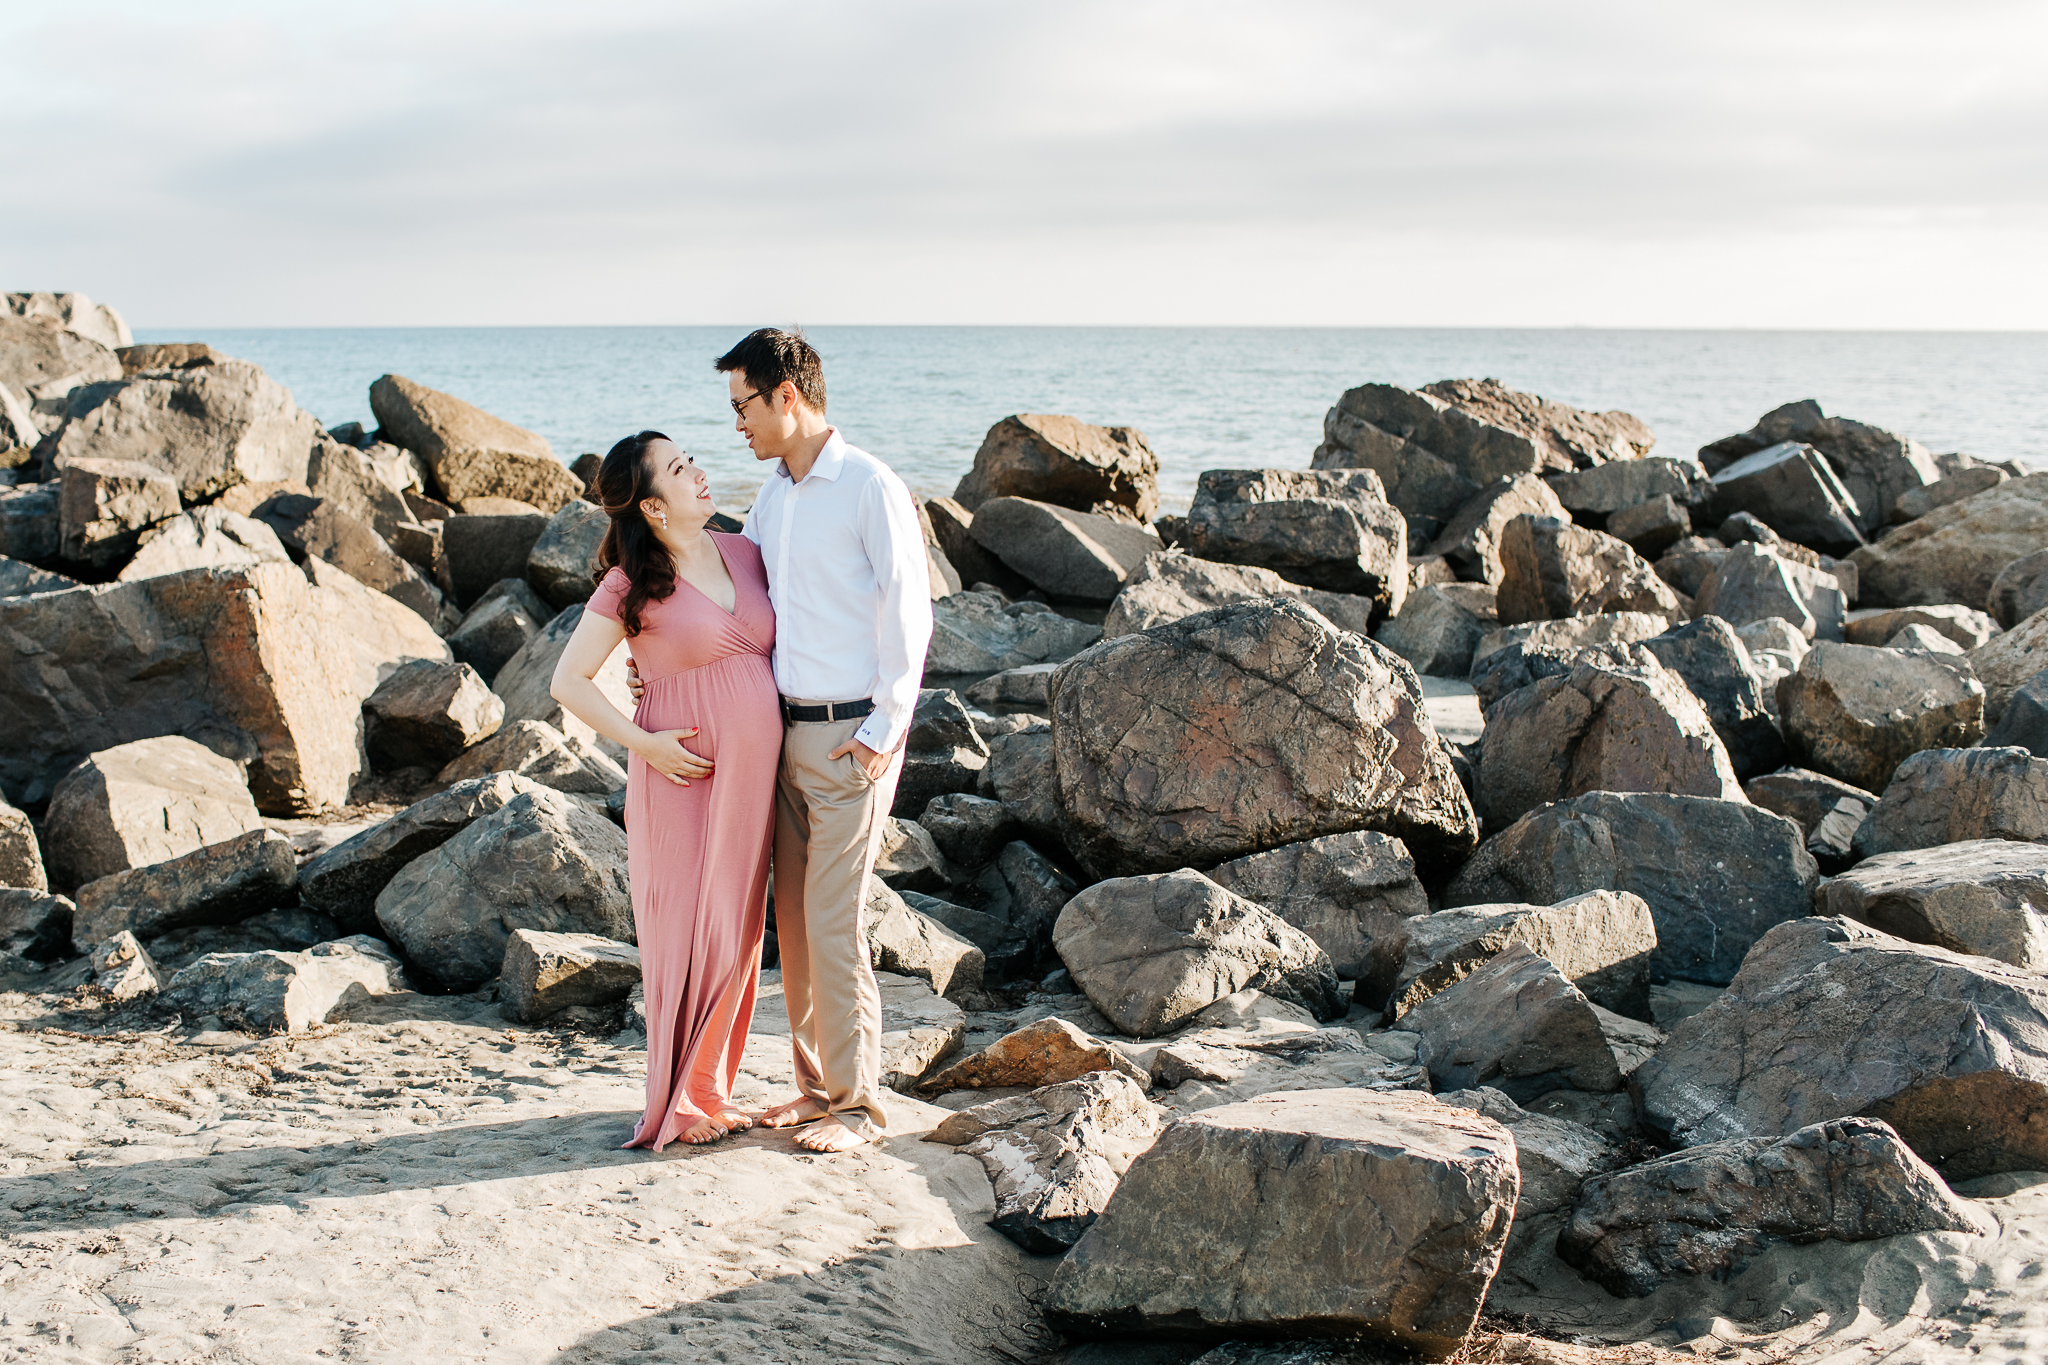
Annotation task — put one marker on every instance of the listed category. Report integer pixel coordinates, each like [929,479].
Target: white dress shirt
[847,574]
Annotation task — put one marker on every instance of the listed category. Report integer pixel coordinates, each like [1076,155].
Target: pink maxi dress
[698,855]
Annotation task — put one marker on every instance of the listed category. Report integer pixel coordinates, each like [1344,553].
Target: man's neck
[810,443]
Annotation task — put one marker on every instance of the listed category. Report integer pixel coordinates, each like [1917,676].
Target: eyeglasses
[739,405]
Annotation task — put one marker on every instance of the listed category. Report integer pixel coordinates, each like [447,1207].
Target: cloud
[1877,164]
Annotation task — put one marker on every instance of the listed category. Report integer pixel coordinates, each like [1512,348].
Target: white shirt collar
[831,459]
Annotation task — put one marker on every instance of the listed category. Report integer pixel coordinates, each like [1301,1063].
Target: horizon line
[1108,326]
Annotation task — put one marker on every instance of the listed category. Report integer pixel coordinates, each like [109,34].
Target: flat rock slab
[1706,1210]
[144,802]
[1830,1018]
[978,632]
[1987,897]
[218,884]
[1373,1212]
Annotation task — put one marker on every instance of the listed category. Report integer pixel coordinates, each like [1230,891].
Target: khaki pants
[829,820]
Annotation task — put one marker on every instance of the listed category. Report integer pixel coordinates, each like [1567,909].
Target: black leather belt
[838,710]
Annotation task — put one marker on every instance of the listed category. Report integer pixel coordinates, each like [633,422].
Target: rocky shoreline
[1699,987]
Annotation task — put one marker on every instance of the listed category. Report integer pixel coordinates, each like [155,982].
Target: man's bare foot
[702,1131]
[801,1110]
[735,1120]
[830,1136]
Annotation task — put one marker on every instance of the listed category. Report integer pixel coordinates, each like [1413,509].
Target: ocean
[921,398]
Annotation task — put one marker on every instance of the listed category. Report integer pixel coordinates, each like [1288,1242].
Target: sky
[1771,165]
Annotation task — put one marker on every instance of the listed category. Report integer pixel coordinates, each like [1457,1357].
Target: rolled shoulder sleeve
[894,542]
[611,591]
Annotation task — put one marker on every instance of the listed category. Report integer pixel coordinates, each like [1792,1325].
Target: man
[847,573]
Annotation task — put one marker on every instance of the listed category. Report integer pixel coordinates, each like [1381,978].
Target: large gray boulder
[40,352]
[541,861]
[2020,590]
[144,802]
[1791,489]
[1188,1246]
[2008,662]
[1707,1210]
[471,453]
[1602,941]
[971,830]
[219,884]
[1856,713]
[562,565]
[1715,874]
[1830,1018]
[1470,543]
[272,991]
[544,973]
[1558,643]
[1552,569]
[1716,668]
[1173,584]
[204,538]
[1948,796]
[1068,554]
[345,881]
[104,506]
[1988,897]
[1332,530]
[21,855]
[1242,729]
[427,712]
[1555,1155]
[1150,952]
[1516,1023]
[1651,528]
[952,534]
[1345,891]
[1754,583]
[1601,727]
[259,659]
[1441,626]
[1592,495]
[1107,470]
[1022,774]
[1054,1155]
[1875,466]
[539,753]
[978,632]
[943,753]
[1955,553]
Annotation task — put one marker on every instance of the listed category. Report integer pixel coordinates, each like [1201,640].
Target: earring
[662,517]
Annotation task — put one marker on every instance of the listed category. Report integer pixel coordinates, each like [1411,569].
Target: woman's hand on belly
[664,752]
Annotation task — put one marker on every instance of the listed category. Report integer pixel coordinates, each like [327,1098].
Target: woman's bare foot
[704,1130]
[830,1136]
[801,1110]
[735,1120]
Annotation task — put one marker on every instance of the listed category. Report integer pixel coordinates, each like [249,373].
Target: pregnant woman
[700,797]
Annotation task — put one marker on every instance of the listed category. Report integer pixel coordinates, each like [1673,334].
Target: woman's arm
[574,685]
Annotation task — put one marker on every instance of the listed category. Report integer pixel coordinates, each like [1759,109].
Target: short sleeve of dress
[610,593]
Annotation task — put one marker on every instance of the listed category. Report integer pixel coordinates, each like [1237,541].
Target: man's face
[767,420]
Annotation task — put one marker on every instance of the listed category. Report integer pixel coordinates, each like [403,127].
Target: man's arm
[894,542]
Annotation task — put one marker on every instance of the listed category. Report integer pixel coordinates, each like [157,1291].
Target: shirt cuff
[874,732]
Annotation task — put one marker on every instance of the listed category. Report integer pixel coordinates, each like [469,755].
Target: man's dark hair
[771,355]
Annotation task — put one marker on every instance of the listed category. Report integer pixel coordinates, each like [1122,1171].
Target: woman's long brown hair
[629,542]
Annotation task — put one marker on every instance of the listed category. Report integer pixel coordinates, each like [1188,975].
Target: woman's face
[675,485]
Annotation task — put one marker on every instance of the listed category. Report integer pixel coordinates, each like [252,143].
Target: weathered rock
[76,314]
[1555,1156]
[428,712]
[1044,1052]
[1875,466]
[1023,774]
[1856,713]
[977,632]
[1966,627]
[1332,530]
[173,355]
[943,753]
[1470,543]
[204,538]
[209,427]
[1651,528]
[1345,891]
[546,973]
[381,634]
[1827,810]
[1830,1018]
[1560,640]
[472,453]
[2025,722]
[2007,663]
[909,859]
[21,856]
[1955,553]
[541,861]
[525,680]
[29,526]
[945,579]
[1107,470]
[123,968]
[104,506]
[1592,495]
[1752,583]
[1242,729]
[1514,1023]
[1793,490]
[1173,584]
[1602,942]
[1019,895]
[1441,626]
[479,550]
[218,884]
[1964,483]
[321,529]
[369,485]
[952,531]
[1948,796]
[18,579]
[35,924]
[1552,569]
[40,352]
[1708,655]
[1189,1247]
[266,992]
[1599,728]
[540,753]
[1068,554]
[288,929]
[344,882]
[1014,687]
[1923,639]
[562,565]
[144,802]
[1686,564]
[1774,635]
[1715,874]
[2019,591]
[907,943]
[1988,897]
[1707,1210]
[970,830]
[496,629]
[1151,951]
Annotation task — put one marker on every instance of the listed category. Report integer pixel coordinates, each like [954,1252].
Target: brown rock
[540,753]
[1470,544]
[1828,811]
[1345,891]
[1856,713]
[319,528]
[1964,483]
[1651,528]
[103,507]
[168,355]
[1875,466]
[218,884]
[427,712]
[1955,553]
[1068,554]
[1791,489]
[479,551]
[1172,584]
[1044,1052]
[472,453]
[1514,1023]
[1755,583]
[21,857]
[524,681]
[1966,627]
[1947,796]
[546,973]
[2020,590]
[1441,626]
[1552,569]
[35,924]
[144,802]
[39,351]
[1592,495]
[1988,897]
[2005,664]
[1332,530]
[1107,470]
[204,538]
[952,532]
